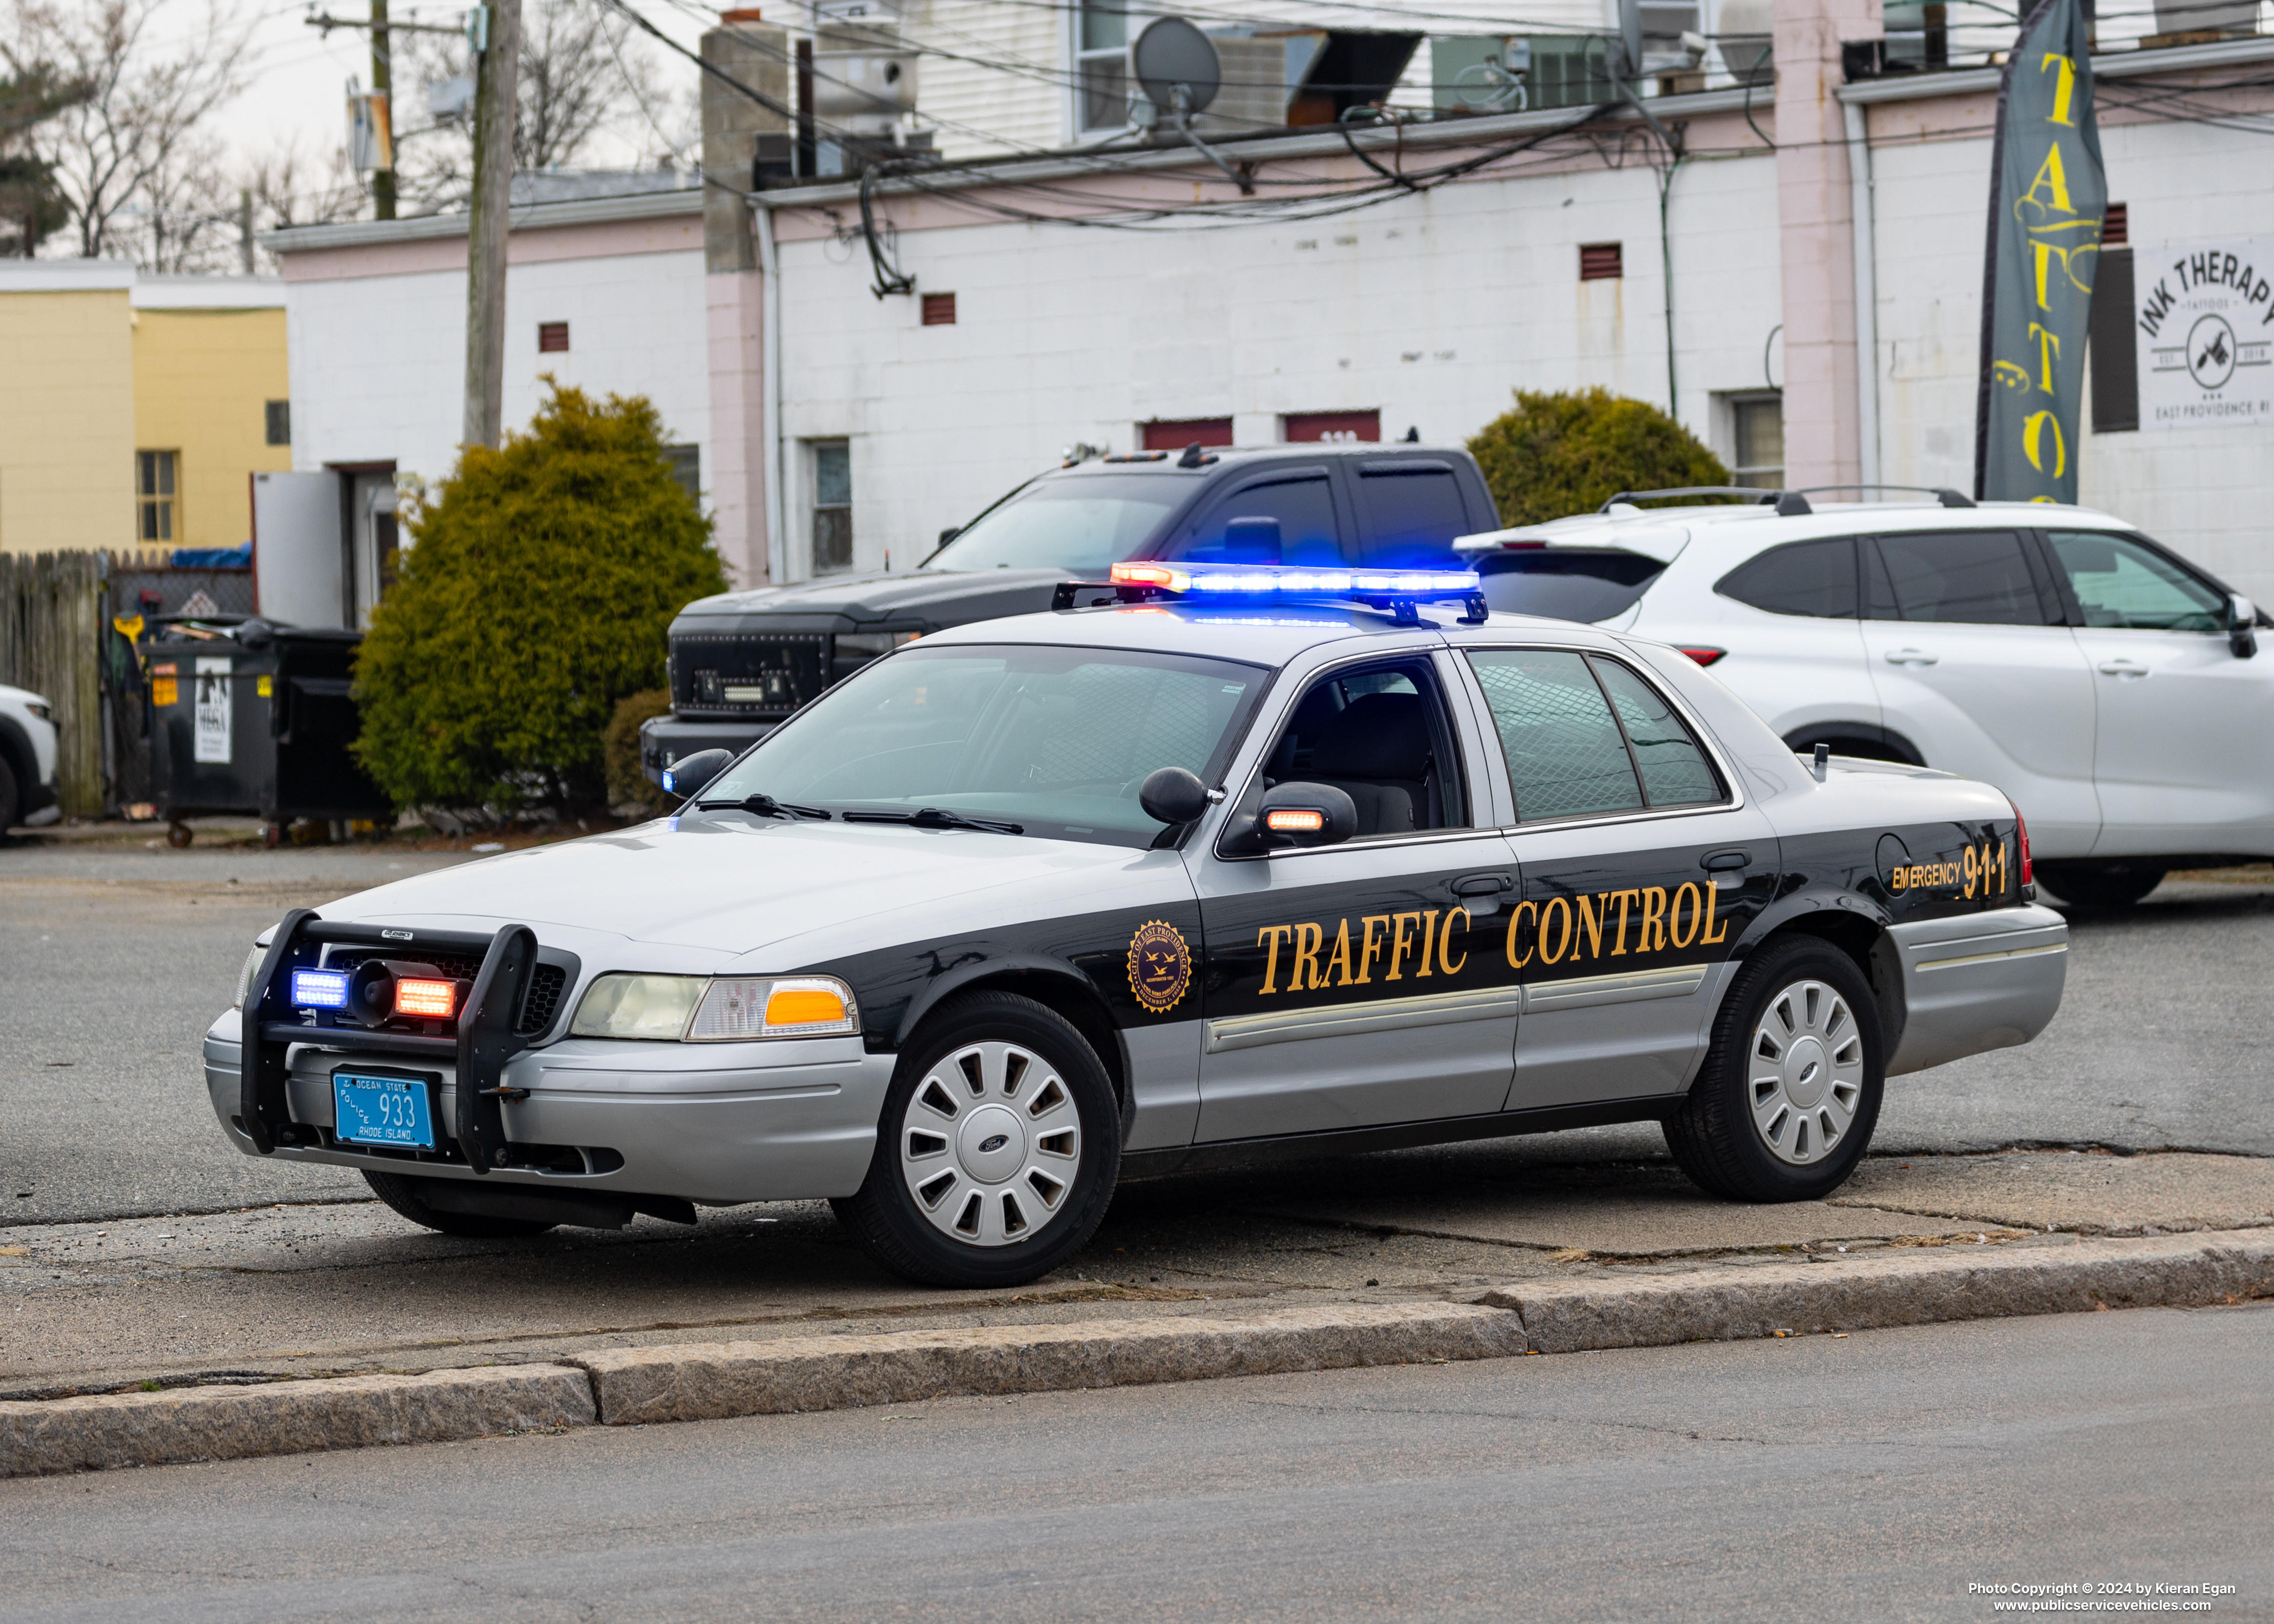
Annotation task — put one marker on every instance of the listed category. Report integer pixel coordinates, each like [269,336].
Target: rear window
[1808,577]
[1412,513]
[1567,583]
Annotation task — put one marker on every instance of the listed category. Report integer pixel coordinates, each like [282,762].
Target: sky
[299,74]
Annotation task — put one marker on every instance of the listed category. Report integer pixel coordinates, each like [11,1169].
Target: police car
[1204,865]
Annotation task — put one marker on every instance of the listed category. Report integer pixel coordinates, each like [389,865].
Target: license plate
[382,1110]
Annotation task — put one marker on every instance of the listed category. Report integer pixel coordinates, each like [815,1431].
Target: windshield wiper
[765,806]
[933,817]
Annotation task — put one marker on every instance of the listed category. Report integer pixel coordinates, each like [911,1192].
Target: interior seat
[1377,750]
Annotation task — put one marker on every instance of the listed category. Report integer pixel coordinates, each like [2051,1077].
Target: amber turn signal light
[1294,820]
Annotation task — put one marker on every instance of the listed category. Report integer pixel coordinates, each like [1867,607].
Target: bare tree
[130,141]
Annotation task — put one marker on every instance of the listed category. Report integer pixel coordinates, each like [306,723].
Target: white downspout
[1867,297]
[770,385]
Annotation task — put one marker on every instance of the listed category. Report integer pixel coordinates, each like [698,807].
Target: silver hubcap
[989,1145]
[1805,1074]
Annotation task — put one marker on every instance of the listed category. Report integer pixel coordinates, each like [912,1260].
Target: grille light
[421,996]
[319,990]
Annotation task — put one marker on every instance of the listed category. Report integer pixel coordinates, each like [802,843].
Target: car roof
[1267,634]
[1661,532]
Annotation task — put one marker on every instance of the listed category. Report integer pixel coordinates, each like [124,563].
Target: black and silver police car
[1205,865]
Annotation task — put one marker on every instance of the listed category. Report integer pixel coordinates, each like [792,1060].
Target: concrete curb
[713,1381]
[286,1417]
[705,1382]
[1868,1293]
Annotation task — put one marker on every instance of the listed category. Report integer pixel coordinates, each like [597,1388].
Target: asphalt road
[113,961]
[1874,1476]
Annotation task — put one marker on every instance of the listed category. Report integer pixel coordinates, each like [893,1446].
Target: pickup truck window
[1081,525]
[1304,508]
[1412,511]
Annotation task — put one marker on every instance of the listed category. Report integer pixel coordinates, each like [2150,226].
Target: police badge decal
[1160,965]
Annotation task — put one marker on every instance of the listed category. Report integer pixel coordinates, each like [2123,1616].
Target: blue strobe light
[319,990]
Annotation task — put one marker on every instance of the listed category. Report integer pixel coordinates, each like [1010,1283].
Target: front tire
[997,1152]
[1785,1104]
[2101,885]
[407,1196]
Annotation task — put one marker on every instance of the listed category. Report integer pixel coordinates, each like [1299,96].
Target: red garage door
[1176,435]
[1299,426]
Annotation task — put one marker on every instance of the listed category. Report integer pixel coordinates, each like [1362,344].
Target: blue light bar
[1285,581]
[319,990]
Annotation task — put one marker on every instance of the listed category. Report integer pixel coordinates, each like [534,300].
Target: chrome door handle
[2123,668]
[1910,657]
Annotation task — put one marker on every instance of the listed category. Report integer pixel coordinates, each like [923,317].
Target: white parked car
[2106,684]
[27,759]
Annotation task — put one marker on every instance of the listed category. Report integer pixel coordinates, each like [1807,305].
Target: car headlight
[244,976]
[699,1009]
[40,708]
[638,1006]
[799,1006]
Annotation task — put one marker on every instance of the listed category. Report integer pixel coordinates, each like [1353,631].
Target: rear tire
[2101,885]
[407,1196]
[1786,1101]
[11,802]
[997,1151]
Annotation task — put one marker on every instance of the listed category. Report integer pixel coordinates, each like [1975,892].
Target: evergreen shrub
[1571,452]
[538,591]
[620,748]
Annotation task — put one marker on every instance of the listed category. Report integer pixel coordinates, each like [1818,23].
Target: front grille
[538,1009]
[746,673]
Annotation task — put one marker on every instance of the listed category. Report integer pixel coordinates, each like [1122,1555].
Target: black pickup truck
[742,661]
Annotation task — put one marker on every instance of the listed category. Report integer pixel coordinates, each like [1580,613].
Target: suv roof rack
[1941,493]
[1766,499]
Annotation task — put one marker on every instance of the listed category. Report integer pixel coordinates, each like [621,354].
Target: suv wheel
[1789,1092]
[11,803]
[998,1149]
[2101,885]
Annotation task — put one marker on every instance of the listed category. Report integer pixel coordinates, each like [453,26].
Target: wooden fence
[50,625]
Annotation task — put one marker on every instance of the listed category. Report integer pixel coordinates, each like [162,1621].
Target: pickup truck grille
[746,673]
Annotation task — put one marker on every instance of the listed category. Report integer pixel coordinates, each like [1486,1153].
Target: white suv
[27,759]
[2105,684]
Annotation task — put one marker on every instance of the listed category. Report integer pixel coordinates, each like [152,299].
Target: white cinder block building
[1075,297]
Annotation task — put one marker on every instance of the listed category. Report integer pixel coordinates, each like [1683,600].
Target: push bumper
[717,1123]
[666,739]
[1984,982]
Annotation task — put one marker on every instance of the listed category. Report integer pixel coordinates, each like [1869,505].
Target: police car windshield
[1054,740]
[1079,525]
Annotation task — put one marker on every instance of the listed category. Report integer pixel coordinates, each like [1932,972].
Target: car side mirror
[1254,540]
[1172,795]
[2241,618]
[691,775]
[1299,814]
[949,534]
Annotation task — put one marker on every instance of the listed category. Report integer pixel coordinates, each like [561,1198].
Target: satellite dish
[1172,55]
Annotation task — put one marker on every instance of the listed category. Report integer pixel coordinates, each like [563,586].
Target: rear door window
[1968,577]
[1412,511]
[1583,735]
[1302,508]
[1815,578]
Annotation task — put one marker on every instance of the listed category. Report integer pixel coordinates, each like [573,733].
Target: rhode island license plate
[382,1110]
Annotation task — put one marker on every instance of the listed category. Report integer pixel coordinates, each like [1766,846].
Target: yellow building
[133,408]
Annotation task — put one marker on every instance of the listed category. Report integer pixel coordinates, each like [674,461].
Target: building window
[1101,63]
[280,422]
[1302,427]
[157,484]
[939,310]
[552,337]
[1757,439]
[1176,434]
[832,506]
[687,469]
[1599,262]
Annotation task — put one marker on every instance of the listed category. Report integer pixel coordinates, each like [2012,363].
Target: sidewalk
[1364,1260]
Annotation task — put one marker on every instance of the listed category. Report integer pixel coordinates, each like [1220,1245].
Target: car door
[1299,500]
[1965,645]
[2178,719]
[1640,865]
[1361,984]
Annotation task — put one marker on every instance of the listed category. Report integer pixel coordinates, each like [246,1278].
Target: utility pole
[383,83]
[497,68]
